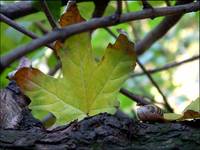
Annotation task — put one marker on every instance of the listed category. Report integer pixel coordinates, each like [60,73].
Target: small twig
[119,7]
[137,98]
[48,14]
[55,69]
[168,2]
[41,27]
[118,12]
[150,77]
[146,5]
[20,28]
[167,66]
[155,85]
[152,81]
[131,24]
[100,7]
[110,32]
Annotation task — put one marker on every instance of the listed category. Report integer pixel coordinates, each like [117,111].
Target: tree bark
[103,131]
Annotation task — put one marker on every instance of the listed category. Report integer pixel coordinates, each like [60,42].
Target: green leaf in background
[87,87]
[86,9]
[54,7]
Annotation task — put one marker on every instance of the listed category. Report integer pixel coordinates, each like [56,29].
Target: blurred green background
[180,84]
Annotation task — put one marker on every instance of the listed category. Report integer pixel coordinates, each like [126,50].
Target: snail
[150,113]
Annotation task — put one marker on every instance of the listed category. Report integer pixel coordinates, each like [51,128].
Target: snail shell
[150,113]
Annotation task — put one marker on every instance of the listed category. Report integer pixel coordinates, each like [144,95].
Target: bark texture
[102,131]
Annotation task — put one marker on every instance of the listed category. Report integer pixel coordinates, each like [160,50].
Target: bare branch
[151,79]
[93,24]
[100,6]
[146,5]
[168,66]
[48,14]
[147,73]
[156,86]
[168,2]
[20,28]
[135,33]
[137,98]
[55,69]
[20,9]
[160,30]
[119,7]
[41,27]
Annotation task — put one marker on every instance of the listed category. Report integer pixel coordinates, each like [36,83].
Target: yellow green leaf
[195,106]
[87,87]
[192,111]
[172,116]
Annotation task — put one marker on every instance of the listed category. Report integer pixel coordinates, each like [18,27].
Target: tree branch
[20,28]
[167,66]
[137,98]
[145,4]
[100,6]
[156,86]
[41,27]
[93,24]
[48,14]
[20,9]
[150,78]
[160,30]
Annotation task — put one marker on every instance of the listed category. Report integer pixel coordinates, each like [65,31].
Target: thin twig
[110,32]
[96,23]
[100,7]
[48,14]
[167,66]
[55,69]
[41,27]
[20,28]
[131,24]
[137,98]
[156,86]
[152,81]
[146,5]
[168,2]
[160,30]
[119,7]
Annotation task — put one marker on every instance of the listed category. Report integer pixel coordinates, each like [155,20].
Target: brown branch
[160,30]
[20,28]
[41,27]
[151,79]
[55,69]
[168,2]
[100,7]
[135,33]
[167,66]
[48,14]
[93,24]
[156,86]
[137,98]
[119,7]
[147,73]
[20,9]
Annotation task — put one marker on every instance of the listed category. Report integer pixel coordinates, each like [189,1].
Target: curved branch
[48,14]
[20,28]
[167,66]
[160,30]
[93,24]
[20,9]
